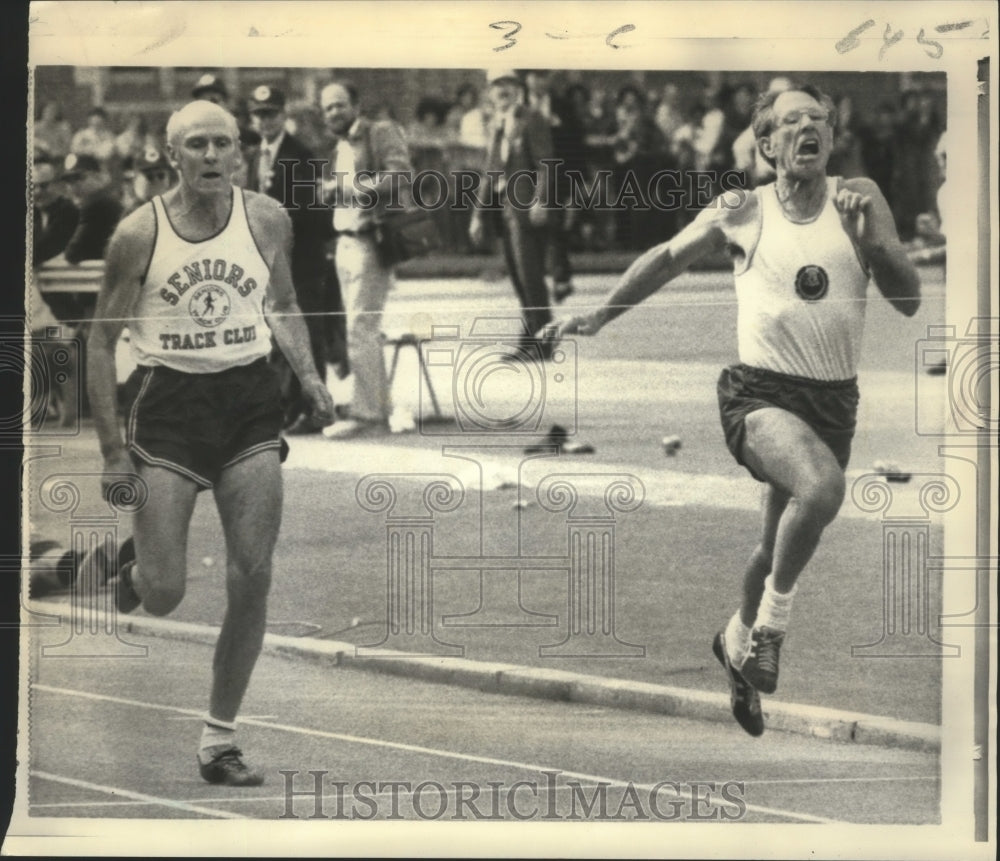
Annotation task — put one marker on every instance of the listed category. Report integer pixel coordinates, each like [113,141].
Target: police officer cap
[266,98]
[209,83]
[150,159]
[75,164]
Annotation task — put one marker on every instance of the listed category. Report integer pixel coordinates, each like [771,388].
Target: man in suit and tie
[281,169]
[520,141]
[568,148]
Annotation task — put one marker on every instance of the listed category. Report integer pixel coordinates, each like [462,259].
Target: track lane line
[446,754]
[136,796]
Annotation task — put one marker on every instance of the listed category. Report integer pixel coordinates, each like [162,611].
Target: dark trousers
[524,247]
[310,293]
[559,266]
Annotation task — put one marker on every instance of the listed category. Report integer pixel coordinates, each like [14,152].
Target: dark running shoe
[228,768]
[126,598]
[761,666]
[743,697]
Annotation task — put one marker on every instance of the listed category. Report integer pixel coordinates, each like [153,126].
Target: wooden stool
[408,339]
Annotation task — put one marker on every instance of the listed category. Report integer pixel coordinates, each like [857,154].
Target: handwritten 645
[890,36]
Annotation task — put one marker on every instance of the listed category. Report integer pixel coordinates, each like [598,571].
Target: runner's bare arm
[272,228]
[868,220]
[664,262]
[128,255]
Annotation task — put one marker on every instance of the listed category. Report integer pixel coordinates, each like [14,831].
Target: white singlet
[201,308]
[801,294]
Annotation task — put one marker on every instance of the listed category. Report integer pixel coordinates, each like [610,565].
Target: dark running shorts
[829,407]
[197,425]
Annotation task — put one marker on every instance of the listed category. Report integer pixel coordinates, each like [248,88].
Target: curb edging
[517,680]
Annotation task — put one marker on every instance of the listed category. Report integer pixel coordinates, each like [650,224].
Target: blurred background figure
[54,216]
[918,128]
[211,88]
[249,148]
[151,175]
[281,169]
[520,143]
[95,139]
[639,150]
[566,129]
[846,158]
[52,134]
[54,220]
[89,186]
[878,150]
[475,119]
[930,228]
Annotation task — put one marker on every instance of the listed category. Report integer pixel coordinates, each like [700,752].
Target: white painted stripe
[249,799]
[248,452]
[169,464]
[137,796]
[897,779]
[429,751]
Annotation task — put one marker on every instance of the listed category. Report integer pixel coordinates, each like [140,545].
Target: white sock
[737,640]
[133,576]
[775,607]
[214,733]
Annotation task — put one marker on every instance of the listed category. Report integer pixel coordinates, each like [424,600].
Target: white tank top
[201,308]
[801,294]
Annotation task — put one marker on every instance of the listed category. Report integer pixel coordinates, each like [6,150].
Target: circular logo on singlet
[811,283]
[209,305]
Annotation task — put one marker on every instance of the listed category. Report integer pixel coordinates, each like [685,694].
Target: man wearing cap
[152,176]
[95,139]
[211,88]
[521,139]
[89,188]
[371,159]
[281,168]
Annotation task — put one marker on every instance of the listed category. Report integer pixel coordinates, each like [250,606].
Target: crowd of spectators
[621,137]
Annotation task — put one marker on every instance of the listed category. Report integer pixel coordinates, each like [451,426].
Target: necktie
[504,141]
[264,168]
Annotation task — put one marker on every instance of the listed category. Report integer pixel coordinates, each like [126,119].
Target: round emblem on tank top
[811,283]
[209,306]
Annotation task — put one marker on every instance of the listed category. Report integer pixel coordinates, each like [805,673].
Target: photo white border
[724,36]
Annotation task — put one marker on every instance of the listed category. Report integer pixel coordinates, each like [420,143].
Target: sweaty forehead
[206,127]
[794,100]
